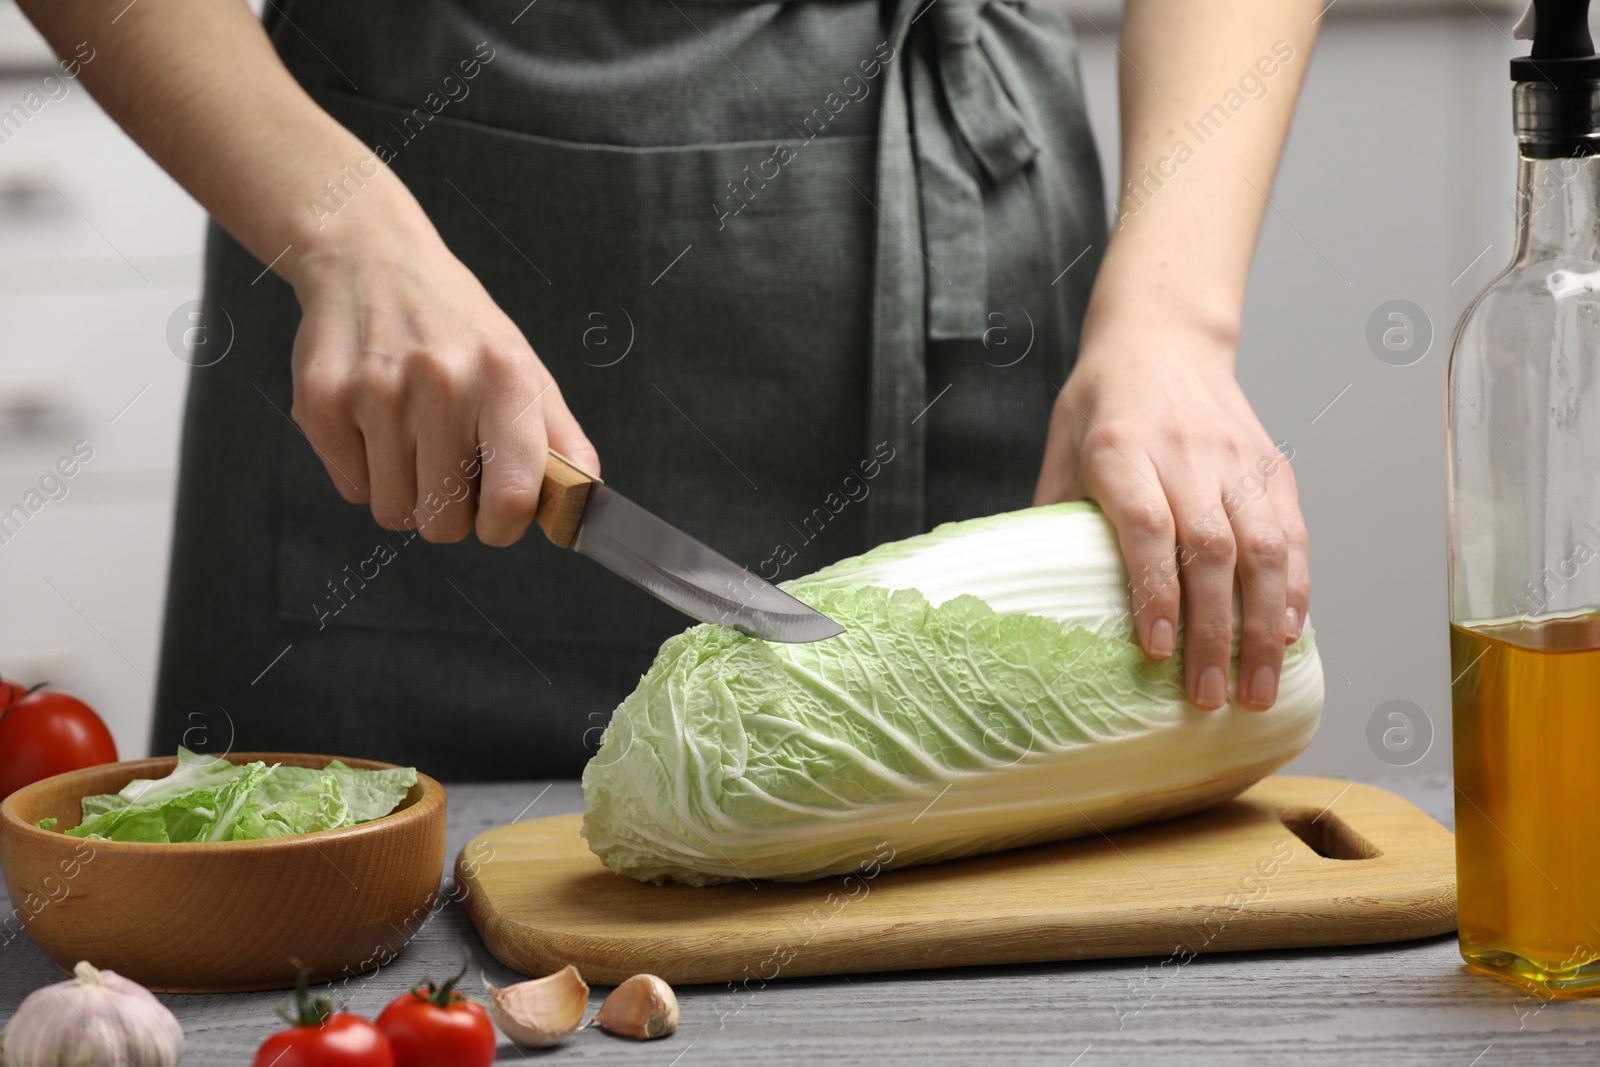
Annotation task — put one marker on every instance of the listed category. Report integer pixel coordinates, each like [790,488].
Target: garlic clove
[643,1007]
[541,1012]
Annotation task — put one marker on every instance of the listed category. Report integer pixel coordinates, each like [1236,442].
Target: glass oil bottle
[1524,454]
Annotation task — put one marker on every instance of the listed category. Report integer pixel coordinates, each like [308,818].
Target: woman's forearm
[1208,89]
[197,84]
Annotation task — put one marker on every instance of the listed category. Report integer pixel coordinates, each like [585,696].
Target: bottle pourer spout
[1563,50]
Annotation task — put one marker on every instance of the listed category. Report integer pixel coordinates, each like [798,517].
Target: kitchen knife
[580,512]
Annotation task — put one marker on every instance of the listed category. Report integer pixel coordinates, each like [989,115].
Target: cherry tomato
[344,1040]
[43,732]
[321,1035]
[435,1026]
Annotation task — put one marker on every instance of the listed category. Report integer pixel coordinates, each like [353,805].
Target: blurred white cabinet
[97,249]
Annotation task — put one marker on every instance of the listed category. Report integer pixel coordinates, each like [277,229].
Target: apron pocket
[706,311]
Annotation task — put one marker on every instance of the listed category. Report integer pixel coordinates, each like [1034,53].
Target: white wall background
[1395,186]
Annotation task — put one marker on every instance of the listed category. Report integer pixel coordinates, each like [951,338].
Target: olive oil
[1527,741]
[1523,437]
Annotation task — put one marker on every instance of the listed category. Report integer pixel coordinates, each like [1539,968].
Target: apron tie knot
[968,133]
[992,128]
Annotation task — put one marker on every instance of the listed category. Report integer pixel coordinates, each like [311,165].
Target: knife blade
[579,511]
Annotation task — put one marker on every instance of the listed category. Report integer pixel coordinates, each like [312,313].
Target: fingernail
[1162,640]
[1264,687]
[1294,624]
[1213,688]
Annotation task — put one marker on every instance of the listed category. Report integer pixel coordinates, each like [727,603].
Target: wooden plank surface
[1293,862]
[1407,1004]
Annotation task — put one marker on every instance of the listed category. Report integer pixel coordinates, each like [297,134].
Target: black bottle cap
[1563,52]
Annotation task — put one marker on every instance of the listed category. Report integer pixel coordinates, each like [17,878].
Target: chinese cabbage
[988,692]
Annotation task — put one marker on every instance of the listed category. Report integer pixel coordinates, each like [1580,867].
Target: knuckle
[319,402]
[378,382]
[1264,628]
[511,501]
[1154,591]
[1210,634]
[445,528]
[1148,517]
[391,515]
[1210,546]
[502,361]
[555,394]
[586,458]
[1298,539]
[1178,434]
[435,372]
[1113,435]
[351,494]
[1263,548]
[497,535]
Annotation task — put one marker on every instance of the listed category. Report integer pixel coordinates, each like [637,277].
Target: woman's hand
[1153,426]
[1151,422]
[409,382]
[403,366]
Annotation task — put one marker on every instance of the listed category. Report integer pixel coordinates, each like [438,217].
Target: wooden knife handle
[561,499]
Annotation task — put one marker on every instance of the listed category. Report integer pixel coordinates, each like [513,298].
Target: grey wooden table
[1393,1005]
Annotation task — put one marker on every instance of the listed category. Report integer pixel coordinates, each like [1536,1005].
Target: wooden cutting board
[1291,863]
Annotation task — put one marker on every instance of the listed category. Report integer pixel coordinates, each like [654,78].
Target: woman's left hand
[1152,425]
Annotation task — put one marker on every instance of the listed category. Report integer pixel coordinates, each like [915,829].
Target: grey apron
[797,267]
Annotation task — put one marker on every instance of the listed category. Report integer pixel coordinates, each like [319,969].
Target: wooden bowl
[225,916]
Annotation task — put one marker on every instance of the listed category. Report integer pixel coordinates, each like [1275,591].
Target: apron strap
[947,128]
[930,182]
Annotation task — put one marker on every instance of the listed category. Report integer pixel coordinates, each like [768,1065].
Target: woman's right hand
[403,366]
[411,383]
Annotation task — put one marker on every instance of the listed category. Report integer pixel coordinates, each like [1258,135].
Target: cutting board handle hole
[1328,835]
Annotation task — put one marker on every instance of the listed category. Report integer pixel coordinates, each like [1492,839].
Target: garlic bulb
[97,1017]
[541,1012]
[642,1007]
